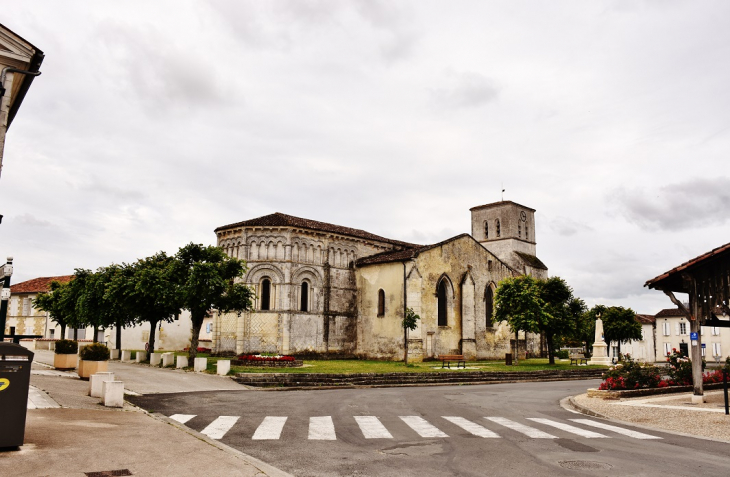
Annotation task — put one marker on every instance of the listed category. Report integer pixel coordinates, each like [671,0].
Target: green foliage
[60,303]
[679,369]
[94,352]
[562,354]
[67,347]
[539,306]
[620,325]
[411,319]
[629,374]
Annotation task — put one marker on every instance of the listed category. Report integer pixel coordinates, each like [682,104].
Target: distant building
[326,289]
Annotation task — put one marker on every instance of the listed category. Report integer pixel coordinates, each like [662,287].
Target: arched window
[266,294]
[305,297]
[443,320]
[381,303]
[489,306]
[497,227]
[486,230]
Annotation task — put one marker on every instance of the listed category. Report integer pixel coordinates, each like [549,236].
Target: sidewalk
[672,412]
[68,433]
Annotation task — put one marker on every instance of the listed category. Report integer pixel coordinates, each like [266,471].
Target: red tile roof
[689,263]
[645,319]
[278,219]
[36,285]
[669,312]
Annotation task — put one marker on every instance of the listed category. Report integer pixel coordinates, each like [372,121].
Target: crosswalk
[322,428]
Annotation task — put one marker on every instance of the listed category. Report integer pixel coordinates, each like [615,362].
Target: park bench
[446,360]
[578,359]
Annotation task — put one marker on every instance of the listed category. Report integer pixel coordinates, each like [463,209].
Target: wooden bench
[578,359]
[446,360]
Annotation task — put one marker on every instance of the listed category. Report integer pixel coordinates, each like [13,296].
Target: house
[327,289]
[673,333]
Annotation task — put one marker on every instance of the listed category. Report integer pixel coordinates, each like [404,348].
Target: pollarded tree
[620,325]
[57,304]
[205,279]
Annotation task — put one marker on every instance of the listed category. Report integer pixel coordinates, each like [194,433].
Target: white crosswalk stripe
[218,428]
[567,428]
[521,428]
[471,427]
[182,418]
[270,428]
[616,429]
[422,427]
[372,428]
[321,428]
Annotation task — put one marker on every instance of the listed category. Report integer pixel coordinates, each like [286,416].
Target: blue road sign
[693,336]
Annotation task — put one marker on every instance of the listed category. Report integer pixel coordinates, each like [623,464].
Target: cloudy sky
[155,122]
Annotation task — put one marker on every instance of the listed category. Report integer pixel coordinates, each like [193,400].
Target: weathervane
[503,191]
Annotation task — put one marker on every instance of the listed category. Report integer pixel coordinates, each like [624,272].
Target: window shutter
[677,328]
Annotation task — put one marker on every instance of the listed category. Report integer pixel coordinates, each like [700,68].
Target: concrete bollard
[182,362]
[224,365]
[155,359]
[112,394]
[126,355]
[201,364]
[141,356]
[115,354]
[168,359]
[96,382]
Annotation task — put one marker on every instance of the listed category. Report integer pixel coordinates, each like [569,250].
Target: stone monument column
[600,348]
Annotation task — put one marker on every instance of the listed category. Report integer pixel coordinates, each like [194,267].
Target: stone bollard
[112,394]
[155,359]
[141,356]
[126,355]
[115,354]
[224,365]
[168,359]
[201,364]
[182,362]
[96,382]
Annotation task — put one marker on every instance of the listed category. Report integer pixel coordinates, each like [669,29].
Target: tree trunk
[96,334]
[76,334]
[119,335]
[153,326]
[551,355]
[197,323]
[63,331]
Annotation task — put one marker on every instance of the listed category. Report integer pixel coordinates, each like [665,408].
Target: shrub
[67,347]
[629,374]
[94,352]
[679,368]
[562,354]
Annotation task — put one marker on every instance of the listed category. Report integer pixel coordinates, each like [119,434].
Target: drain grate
[108,473]
[584,465]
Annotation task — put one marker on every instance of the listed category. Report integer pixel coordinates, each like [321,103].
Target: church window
[305,297]
[381,302]
[266,294]
[489,265]
[486,229]
[442,308]
[527,233]
[489,302]
[519,229]
[497,227]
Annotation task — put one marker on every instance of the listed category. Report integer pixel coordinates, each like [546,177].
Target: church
[324,289]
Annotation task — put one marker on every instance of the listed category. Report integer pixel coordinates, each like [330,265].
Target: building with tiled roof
[324,288]
[22,318]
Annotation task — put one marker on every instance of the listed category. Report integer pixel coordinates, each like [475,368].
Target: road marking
[218,428]
[422,427]
[567,428]
[321,428]
[182,418]
[471,427]
[618,430]
[270,428]
[526,430]
[372,428]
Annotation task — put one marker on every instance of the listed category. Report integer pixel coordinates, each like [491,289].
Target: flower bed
[277,361]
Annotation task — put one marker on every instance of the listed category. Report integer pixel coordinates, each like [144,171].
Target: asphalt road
[322,437]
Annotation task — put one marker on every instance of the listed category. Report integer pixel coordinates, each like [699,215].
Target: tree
[539,306]
[410,322]
[620,325]
[57,305]
[205,279]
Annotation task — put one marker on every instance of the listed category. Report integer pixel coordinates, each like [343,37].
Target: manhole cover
[584,465]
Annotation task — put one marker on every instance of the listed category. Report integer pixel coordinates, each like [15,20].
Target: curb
[568,403]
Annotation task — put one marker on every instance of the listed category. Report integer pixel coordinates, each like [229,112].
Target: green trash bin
[15,362]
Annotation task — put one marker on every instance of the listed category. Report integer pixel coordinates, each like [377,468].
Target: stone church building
[326,289]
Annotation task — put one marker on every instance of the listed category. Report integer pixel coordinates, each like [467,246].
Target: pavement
[69,433]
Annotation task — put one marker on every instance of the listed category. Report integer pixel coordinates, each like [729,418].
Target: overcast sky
[155,122]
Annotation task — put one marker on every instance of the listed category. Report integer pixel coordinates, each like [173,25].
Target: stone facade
[330,290]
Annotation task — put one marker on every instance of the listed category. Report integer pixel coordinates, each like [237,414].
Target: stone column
[600,354]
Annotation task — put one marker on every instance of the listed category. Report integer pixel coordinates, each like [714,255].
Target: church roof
[278,219]
[37,285]
[531,260]
[501,203]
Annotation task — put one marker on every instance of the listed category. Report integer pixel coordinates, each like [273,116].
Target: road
[506,429]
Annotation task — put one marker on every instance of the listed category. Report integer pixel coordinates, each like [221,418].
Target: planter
[87,368]
[65,361]
[616,394]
